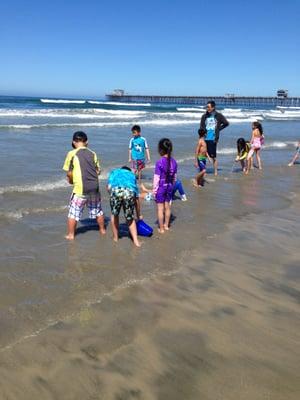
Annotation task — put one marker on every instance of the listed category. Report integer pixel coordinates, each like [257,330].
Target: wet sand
[209,311]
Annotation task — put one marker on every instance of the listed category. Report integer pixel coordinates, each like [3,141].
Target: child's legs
[249,159]
[257,152]
[115,205]
[101,223]
[139,174]
[76,208]
[215,164]
[200,178]
[243,165]
[175,188]
[133,232]
[129,204]
[160,215]
[140,167]
[202,172]
[180,188]
[167,209]
[95,210]
[115,227]
[71,228]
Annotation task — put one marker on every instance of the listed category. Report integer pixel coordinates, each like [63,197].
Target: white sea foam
[278,115]
[11,214]
[78,114]
[197,109]
[176,114]
[231,110]
[36,187]
[119,112]
[278,145]
[165,122]
[65,125]
[158,122]
[62,101]
[242,120]
[18,214]
[288,108]
[116,103]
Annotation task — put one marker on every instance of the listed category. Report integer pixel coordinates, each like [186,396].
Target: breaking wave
[61,101]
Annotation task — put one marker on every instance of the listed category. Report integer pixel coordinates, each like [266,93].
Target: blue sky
[87,48]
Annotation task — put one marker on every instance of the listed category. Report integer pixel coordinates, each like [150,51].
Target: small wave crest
[116,103]
[62,101]
[37,187]
[197,109]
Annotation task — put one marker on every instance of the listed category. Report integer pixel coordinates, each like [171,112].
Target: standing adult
[213,122]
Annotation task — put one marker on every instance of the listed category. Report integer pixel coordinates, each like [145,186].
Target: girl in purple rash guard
[163,182]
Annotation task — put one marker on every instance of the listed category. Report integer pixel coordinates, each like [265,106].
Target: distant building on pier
[282,93]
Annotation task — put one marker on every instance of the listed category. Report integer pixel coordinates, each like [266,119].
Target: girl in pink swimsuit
[257,140]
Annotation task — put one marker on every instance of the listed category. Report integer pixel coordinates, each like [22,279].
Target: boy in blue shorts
[82,167]
[201,155]
[124,193]
[138,146]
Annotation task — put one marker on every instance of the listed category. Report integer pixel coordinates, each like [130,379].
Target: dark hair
[258,125]
[212,103]
[241,145]
[136,128]
[125,167]
[80,136]
[201,132]
[165,147]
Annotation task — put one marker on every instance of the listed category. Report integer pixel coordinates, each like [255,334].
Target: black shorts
[211,148]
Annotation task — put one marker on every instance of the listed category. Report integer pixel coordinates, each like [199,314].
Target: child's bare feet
[69,237]
[137,243]
[166,228]
[160,230]
[103,231]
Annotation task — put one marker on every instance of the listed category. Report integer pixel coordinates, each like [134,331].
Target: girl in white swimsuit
[256,142]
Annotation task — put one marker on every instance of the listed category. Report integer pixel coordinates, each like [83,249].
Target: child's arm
[130,148]
[197,151]
[138,208]
[70,177]
[208,157]
[144,189]
[148,154]
[156,180]
[68,167]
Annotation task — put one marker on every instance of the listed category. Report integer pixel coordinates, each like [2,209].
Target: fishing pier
[282,99]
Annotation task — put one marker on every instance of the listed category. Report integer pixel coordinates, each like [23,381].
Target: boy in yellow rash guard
[82,167]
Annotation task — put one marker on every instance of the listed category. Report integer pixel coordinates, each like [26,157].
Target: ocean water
[35,135]
[213,305]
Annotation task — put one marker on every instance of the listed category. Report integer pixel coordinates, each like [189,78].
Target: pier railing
[202,100]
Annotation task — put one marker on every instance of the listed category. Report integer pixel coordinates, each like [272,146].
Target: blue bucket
[143,229]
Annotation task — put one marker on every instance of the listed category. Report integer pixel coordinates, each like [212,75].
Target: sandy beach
[212,314]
